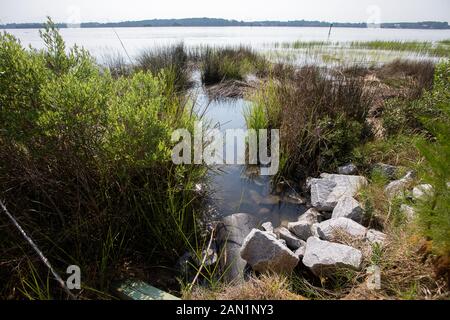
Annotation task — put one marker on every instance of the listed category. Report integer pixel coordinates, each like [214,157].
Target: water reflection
[240,188]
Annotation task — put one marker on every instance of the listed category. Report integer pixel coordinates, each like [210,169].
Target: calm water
[238,188]
[104,40]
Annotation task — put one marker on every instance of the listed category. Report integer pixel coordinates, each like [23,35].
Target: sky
[75,11]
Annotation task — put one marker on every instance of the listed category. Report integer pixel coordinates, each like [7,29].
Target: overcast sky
[249,10]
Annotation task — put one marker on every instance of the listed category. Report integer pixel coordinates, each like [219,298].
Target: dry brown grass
[408,270]
[265,287]
[407,266]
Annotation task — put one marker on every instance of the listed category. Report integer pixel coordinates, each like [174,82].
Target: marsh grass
[321,118]
[172,58]
[221,64]
[438,49]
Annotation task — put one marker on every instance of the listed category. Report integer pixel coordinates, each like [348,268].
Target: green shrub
[434,214]
[85,165]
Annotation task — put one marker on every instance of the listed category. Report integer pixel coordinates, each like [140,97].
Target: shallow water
[100,41]
[240,188]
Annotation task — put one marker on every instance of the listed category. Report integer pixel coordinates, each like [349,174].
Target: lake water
[104,40]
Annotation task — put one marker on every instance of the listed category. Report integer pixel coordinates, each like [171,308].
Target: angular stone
[263,252]
[348,169]
[375,236]
[311,215]
[320,190]
[386,169]
[348,207]
[398,186]
[291,240]
[326,192]
[303,227]
[330,229]
[267,226]
[324,257]
[300,252]
[422,191]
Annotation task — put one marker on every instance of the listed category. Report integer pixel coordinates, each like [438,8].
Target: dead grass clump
[322,119]
[416,75]
[228,89]
[264,287]
[407,273]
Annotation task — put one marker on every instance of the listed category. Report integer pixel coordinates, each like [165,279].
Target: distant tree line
[212,22]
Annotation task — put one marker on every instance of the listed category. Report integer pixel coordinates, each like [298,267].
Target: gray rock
[320,190]
[263,252]
[348,207]
[311,215]
[300,252]
[267,226]
[291,240]
[408,211]
[374,236]
[231,233]
[324,257]
[303,227]
[328,230]
[396,187]
[386,169]
[315,230]
[326,192]
[422,191]
[348,169]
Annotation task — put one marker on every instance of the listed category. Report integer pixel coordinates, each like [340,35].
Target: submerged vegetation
[435,49]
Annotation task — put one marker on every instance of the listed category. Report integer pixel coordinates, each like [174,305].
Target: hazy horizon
[73,11]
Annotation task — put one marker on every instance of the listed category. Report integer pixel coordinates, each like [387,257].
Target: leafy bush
[85,164]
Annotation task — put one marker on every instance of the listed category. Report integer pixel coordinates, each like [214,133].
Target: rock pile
[313,239]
